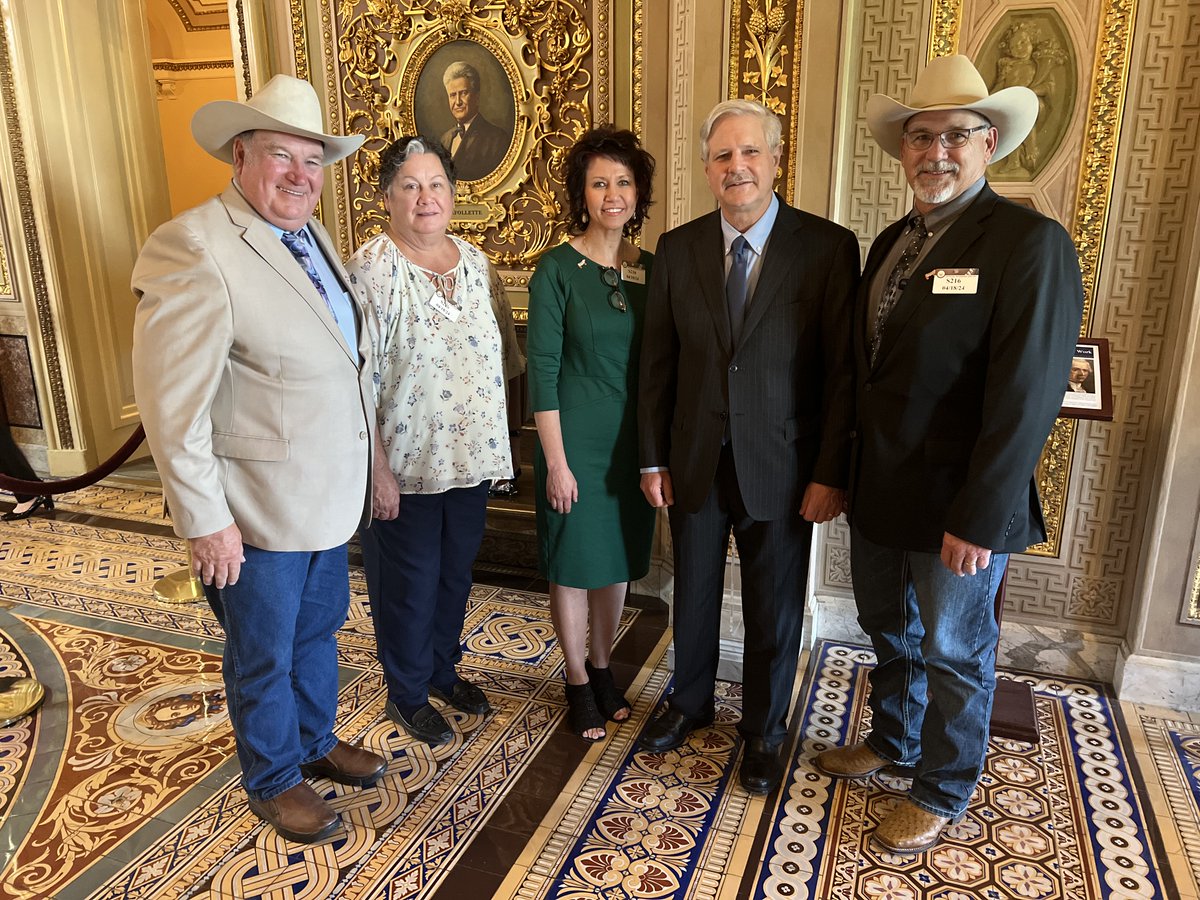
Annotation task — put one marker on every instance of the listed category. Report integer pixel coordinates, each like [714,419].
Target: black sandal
[609,700]
[582,712]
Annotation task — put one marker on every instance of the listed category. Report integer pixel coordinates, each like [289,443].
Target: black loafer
[426,724]
[464,697]
[761,770]
[670,730]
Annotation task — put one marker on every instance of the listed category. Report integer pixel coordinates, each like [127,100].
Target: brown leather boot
[855,761]
[347,764]
[299,814]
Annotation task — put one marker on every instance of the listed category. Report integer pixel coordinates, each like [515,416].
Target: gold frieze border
[1105,104]
[198,65]
[638,66]
[33,245]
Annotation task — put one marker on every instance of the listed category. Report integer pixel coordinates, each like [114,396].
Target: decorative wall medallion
[1033,49]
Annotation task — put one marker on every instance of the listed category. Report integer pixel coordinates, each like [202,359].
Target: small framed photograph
[1088,394]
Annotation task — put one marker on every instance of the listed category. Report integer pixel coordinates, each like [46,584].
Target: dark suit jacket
[952,417]
[786,389]
[481,150]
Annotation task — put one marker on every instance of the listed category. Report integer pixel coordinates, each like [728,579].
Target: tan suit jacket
[256,411]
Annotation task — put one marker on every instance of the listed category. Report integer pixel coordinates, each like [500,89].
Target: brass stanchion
[19,697]
[180,586]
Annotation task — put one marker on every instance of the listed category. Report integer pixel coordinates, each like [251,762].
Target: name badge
[633,274]
[954,281]
[441,305]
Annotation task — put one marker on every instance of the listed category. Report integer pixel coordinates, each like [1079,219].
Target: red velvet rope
[65,485]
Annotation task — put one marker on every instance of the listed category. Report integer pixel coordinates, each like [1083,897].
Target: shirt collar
[943,214]
[756,235]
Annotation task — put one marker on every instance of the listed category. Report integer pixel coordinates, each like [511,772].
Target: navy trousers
[418,569]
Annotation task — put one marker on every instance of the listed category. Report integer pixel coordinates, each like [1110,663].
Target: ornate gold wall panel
[369,62]
[764,66]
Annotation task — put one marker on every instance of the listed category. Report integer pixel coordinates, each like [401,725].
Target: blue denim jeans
[934,635]
[280,666]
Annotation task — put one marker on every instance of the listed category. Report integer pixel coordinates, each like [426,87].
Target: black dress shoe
[670,730]
[465,697]
[425,725]
[761,770]
[38,503]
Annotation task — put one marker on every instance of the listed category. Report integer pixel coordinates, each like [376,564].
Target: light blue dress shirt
[343,306]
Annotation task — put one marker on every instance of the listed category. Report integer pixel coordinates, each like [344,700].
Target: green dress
[583,361]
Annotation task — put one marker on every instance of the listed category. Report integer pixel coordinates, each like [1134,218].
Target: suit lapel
[783,249]
[946,253]
[259,236]
[708,262]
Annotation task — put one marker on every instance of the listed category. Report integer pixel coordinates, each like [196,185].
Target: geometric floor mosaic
[124,784]
[1061,819]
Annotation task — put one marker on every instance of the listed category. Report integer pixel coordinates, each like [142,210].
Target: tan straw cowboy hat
[283,104]
[953,82]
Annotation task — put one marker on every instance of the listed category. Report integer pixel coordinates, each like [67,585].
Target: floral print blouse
[439,383]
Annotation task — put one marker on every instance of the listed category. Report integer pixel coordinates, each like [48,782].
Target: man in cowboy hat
[251,377]
[964,330]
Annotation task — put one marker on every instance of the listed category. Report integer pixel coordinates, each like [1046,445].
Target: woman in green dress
[587,303]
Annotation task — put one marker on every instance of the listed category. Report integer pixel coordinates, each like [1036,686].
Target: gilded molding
[198,65]
[6,287]
[1193,607]
[602,47]
[244,47]
[299,44]
[945,19]
[33,245]
[639,52]
[1105,106]
[760,31]
[221,17]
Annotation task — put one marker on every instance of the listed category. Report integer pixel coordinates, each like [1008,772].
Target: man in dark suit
[964,329]
[744,420]
[475,144]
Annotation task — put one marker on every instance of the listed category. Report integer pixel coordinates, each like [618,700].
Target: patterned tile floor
[124,784]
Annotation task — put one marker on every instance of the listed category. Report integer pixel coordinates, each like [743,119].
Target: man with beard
[964,329]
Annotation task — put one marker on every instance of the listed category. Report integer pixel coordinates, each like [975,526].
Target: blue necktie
[735,286]
[296,242]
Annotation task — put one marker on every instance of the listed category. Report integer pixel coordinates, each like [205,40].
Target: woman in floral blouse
[445,347]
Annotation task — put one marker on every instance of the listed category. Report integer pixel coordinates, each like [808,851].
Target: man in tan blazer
[250,368]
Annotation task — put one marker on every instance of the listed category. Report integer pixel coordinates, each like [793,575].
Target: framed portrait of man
[464,99]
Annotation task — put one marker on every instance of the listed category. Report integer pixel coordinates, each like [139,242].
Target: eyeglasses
[951,140]
[612,279]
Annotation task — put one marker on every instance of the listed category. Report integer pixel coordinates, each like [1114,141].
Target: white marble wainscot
[1027,646]
[1172,682]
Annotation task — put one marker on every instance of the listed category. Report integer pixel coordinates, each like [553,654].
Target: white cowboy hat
[953,82]
[283,104]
